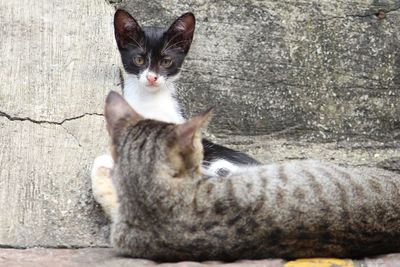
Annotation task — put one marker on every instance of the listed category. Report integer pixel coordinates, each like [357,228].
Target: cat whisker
[171,87]
[172,45]
[167,45]
[137,44]
[169,41]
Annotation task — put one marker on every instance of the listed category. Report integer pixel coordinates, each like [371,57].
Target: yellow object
[320,263]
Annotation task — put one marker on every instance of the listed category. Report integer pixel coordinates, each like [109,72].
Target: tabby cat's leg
[102,185]
[133,242]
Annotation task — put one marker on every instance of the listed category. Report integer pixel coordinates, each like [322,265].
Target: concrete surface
[104,257]
[57,65]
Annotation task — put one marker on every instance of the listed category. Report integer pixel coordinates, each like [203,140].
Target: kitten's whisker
[171,87]
[167,45]
[171,46]
[169,41]
[137,44]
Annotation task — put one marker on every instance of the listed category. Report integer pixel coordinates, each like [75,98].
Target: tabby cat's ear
[187,131]
[180,33]
[118,109]
[126,29]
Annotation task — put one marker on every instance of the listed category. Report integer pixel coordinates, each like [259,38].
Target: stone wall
[57,65]
[326,67]
[288,79]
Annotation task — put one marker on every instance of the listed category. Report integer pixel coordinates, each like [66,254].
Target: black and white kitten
[152,58]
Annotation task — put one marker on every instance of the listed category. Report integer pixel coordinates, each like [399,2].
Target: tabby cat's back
[290,209]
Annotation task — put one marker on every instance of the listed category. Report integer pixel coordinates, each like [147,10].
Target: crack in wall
[60,123]
[14,118]
[72,135]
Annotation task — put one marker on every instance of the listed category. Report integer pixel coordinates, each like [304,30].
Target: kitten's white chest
[159,105]
[159,108]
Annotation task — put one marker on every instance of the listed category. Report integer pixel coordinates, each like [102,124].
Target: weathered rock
[326,68]
[58,63]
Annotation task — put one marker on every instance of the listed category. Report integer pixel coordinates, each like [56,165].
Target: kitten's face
[153,55]
[174,150]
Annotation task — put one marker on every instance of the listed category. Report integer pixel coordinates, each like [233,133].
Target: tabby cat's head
[151,54]
[166,149]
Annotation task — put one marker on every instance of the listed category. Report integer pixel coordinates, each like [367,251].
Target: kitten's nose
[151,79]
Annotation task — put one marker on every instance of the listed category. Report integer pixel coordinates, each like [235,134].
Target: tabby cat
[164,209]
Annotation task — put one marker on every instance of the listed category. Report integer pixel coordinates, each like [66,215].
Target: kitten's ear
[117,109]
[126,29]
[180,34]
[187,131]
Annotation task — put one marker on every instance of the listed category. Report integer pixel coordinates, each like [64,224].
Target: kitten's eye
[138,60]
[166,62]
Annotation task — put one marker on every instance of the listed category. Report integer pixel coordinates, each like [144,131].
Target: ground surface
[105,257]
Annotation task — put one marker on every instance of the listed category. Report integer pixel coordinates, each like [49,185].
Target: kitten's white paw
[102,185]
[103,161]
[220,167]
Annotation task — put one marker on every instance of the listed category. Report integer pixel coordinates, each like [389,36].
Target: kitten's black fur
[151,43]
[212,151]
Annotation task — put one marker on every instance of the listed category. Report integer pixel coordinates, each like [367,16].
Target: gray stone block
[328,69]
[58,62]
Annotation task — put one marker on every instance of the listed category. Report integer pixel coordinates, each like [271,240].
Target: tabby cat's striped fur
[168,211]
